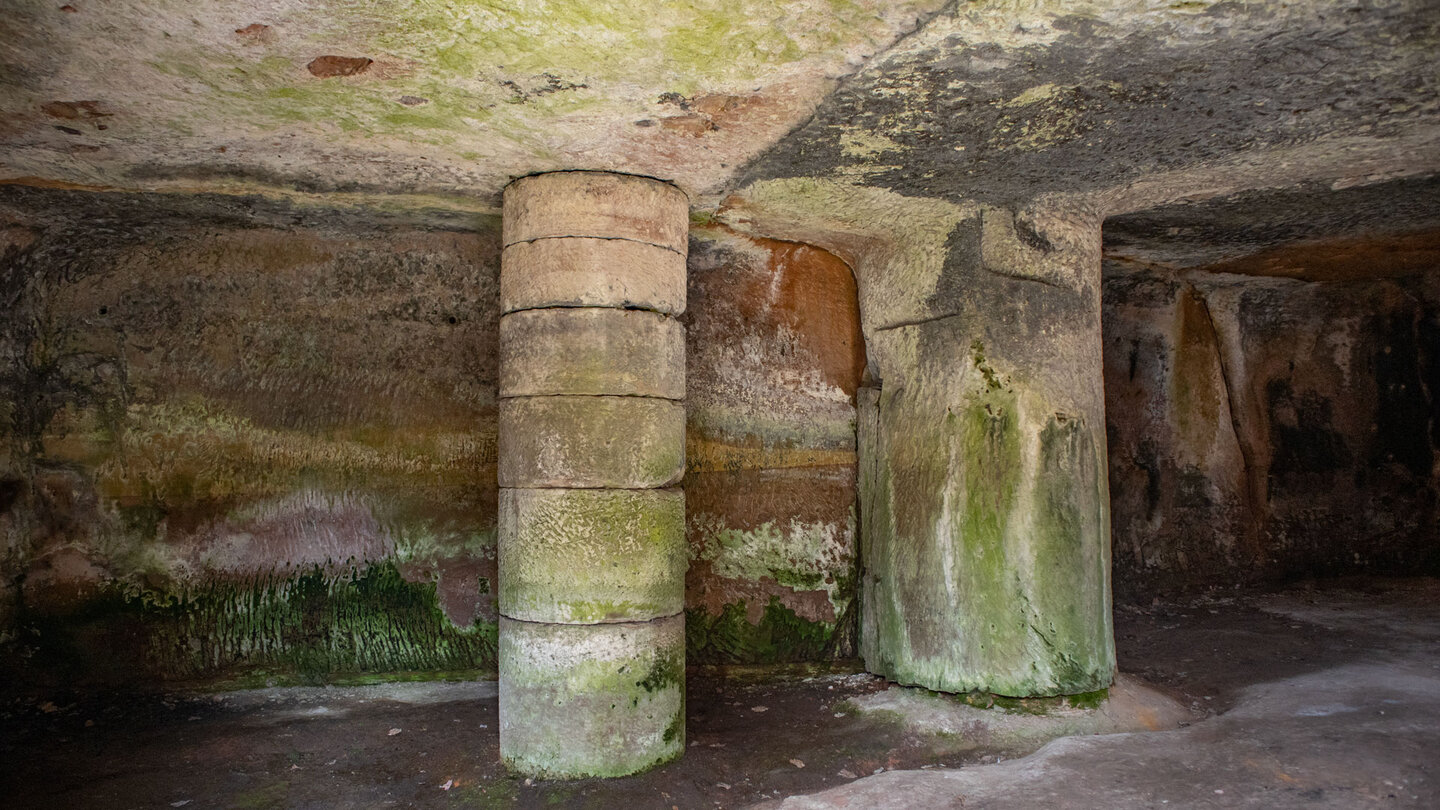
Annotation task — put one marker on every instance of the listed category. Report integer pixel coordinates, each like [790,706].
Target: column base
[591,700]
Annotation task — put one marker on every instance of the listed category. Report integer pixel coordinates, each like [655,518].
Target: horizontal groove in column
[671,488]
[597,236]
[676,400]
[623,307]
[669,618]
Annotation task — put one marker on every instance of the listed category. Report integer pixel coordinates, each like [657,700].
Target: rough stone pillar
[984,503]
[592,443]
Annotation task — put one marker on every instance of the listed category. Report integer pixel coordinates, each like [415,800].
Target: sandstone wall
[775,358]
[245,439]
[248,441]
[1267,427]
[238,447]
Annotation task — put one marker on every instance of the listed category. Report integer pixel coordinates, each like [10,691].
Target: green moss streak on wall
[676,729]
[665,671]
[780,637]
[802,556]
[984,542]
[945,605]
[1071,609]
[990,442]
[309,625]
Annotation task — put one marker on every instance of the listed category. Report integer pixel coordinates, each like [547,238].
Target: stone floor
[1325,695]
[1325,698]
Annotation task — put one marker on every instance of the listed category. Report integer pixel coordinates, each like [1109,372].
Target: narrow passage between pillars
[592,445]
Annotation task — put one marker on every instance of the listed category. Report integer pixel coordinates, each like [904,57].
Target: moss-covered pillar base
[984,504]
[592,440]
[592,700]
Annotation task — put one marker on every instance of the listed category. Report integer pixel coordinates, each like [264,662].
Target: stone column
[984,503]
[592,444]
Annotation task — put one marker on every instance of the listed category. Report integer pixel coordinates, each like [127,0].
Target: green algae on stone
[689,44]
[308,626]
[592,555]
[803,556]
[197,448]
[1072,618]
[781,636]
[591,700]
[591,441]
[979,565]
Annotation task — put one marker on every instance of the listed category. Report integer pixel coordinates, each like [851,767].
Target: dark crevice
[627,307]
[594,623]
[670,183]
[916,322]
[680,399]
[592,236]
[1036,279]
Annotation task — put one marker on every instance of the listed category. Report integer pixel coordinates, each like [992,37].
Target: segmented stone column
[592,443]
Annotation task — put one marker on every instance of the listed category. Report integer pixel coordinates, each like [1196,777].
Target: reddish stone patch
[254,32]
[716,103]
[329,66]
[61,581]
[459,589]
[692,125]
[749,499]
[819,301]
[768,321]
[75,110]
[1346,259]
[332,532]
[802,291]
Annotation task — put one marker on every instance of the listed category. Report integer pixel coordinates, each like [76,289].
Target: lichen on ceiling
[430,96]
[1131,104]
